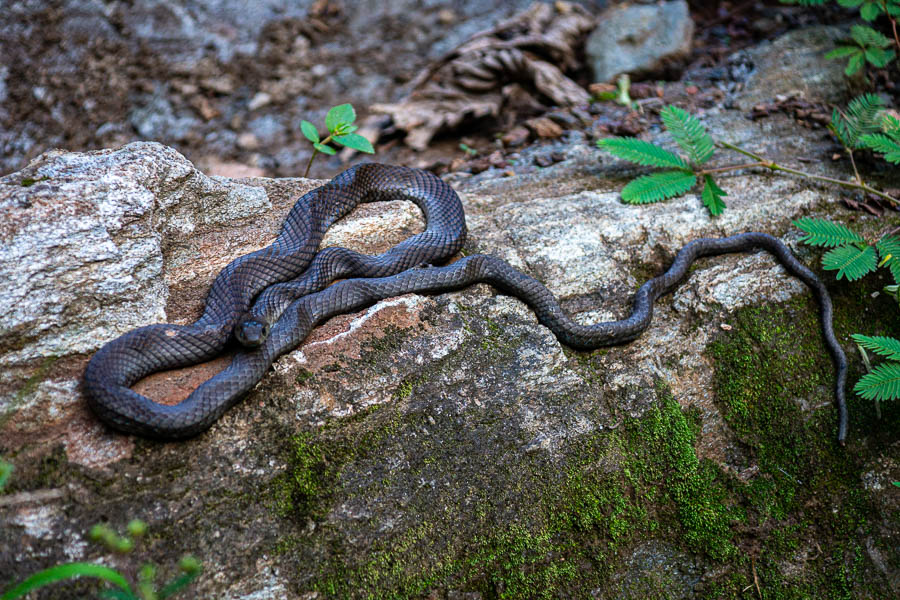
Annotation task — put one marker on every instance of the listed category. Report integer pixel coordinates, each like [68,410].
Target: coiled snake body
[272,298]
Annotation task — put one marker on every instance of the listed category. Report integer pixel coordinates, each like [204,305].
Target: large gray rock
[795,65]
[639,38]
[445,446]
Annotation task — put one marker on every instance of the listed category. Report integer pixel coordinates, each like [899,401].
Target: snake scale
[269,300]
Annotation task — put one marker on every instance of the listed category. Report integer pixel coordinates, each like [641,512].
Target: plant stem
[315,151]
[733,168]
[893,22]
[773,166]
[309,164]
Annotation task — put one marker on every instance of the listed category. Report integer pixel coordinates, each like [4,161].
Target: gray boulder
[639,38]
[444,446]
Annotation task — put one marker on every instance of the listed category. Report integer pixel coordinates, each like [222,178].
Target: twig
[773,166]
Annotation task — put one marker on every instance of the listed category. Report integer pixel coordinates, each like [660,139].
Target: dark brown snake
[272,298]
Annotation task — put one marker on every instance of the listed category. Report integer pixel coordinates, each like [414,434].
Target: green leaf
[658,186]
[870,11]
[342,114]
[641,152]
[885,346]
[866,36]
[355,141]
[862,117]
[879,57]
[850,3]
[843,51]
[883,144]
[688,133]
[712,196]
[855,63]
[309,130]
[66,571]
[889,250]
[325,149]
[851,262]
[821,232]
[883,383]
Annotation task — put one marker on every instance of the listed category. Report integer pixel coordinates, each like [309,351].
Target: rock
[543,127]
[451,425]
[639,39]
[793,65]
[259,100]
[516,136]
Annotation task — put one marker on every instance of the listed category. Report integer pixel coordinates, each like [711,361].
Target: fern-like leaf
[688,133]
[641,152]
[851,261]
[889,250]
[712,196]
[861,118]
[879,57]
[883,383]
[820,232]
[889,148]
[866,37]
[658,186]
[879,344]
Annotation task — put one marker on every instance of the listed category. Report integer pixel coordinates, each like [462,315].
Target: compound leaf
[883,144]
[843,51]
[889,250]
[689,133]
[879,344]
[850,261]
[641,152]
[883,383]
[821,232]
[866,36]
[712,196]
[658,186]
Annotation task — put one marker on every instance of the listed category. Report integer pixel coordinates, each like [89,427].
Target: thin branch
[773,166]
[732,168]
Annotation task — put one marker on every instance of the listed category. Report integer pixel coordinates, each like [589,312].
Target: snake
[265,303]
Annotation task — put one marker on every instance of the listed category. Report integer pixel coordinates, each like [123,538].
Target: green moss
[774,385]
[472,512]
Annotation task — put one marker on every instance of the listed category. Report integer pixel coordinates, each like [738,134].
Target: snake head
[251,331]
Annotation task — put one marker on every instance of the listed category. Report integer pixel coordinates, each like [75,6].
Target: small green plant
[852,256]
[680,175]
[470,151]
[864,125]
[146,587]
[622,94]
[865,45]
[339,122]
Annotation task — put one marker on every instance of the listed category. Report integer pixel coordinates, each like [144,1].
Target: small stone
[259,100]
[544,128]
[543,160]
[221,85]
[248,141]
[516,136]
[496,159]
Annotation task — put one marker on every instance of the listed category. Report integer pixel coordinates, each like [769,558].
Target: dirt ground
[228,85]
